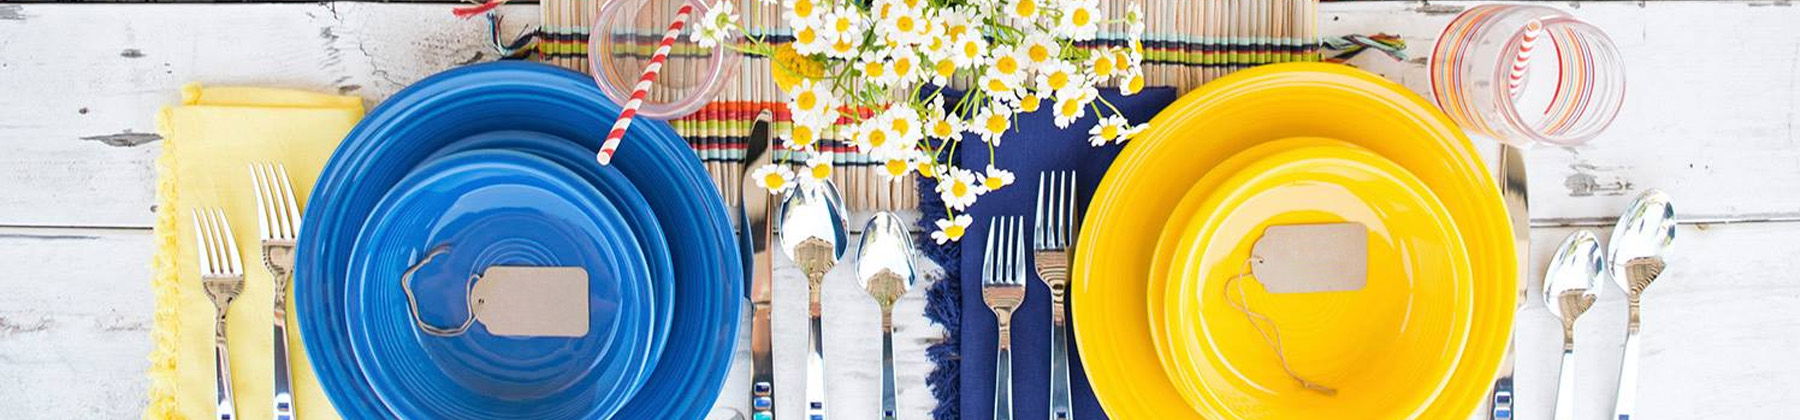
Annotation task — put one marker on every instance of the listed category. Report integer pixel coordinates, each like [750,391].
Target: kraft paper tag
[533,301]
[1326,257]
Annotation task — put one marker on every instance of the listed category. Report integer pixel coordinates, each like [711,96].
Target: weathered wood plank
[75,320]
[1710,121]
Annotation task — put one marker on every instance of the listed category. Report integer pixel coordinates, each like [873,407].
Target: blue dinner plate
[488,208]
[414,124]
[617,189]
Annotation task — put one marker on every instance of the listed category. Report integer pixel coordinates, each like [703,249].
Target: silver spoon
[813,235]
[1571,285]
[1643,237]
[884,267]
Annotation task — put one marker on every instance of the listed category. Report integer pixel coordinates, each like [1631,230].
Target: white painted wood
[75,317]
[1710,114]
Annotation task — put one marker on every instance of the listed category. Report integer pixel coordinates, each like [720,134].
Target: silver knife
[1512,192]
[755,213]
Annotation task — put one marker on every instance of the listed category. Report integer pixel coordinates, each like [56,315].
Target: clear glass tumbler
[1482,75]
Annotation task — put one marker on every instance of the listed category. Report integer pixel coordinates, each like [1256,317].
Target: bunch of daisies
[874,73]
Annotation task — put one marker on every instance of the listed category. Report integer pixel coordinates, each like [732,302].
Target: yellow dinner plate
[1232,114]
[1386,349]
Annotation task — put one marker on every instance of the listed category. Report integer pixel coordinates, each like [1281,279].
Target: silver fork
[1052,235]
[278,224]
[1003,288]
[222,273]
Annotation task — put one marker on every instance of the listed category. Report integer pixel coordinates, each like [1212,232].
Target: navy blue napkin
[1037,146]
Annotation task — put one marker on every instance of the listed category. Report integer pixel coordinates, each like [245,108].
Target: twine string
[1271,335]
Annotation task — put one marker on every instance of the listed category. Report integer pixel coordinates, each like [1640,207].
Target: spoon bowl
[813,231]
[884,263]
[1643,237]
[1572,282]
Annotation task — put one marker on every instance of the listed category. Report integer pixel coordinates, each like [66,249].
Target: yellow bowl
[1387,349]
[1227,116]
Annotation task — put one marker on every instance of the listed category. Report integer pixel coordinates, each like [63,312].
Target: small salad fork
[1051,237]
[278,224]
[222,273]
[1003,288]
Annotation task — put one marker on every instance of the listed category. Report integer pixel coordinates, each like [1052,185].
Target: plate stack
[493,166]
[1185,300]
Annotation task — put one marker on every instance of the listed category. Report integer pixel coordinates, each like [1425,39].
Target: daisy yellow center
[874,69]
[1007,64]
[996,123]
[912,4]
[821,171]
[1109,131]
[1026,7]
[1135,84]
[843,25]
[970,50]
[877,138]
[994,183]
[774,180]
[1029,103]
[803,136]
[1058,80]
[942,129]
[843,46]
[1038,52]
[807,99]
[1068,108]
[954,231]
[959,189]
[886,10]
[946,68]
[1103,67]
[926,170]
[807,35]
[904,24]
[956,32]
[903,65]
[1081,17]
[896,167]
[902,125]
[997,85]
[803,8]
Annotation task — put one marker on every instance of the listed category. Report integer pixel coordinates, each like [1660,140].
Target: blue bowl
[413,125]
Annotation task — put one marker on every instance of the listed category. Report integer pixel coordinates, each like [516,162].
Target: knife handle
[762,365]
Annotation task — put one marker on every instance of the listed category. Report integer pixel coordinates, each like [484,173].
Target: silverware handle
[762,364]
[815,372]
[284,388]
[1003,377]
[1625,403]
[887,364]
[1565,386]
[227,409]
[1513,192]
[1059,371]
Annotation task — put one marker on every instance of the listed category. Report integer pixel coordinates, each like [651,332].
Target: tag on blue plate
[533,301]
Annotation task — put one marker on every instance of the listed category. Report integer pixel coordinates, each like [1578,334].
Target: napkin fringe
[166,328]
[943,306]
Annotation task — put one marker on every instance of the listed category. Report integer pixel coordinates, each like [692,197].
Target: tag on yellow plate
[1326,257]
[533,301]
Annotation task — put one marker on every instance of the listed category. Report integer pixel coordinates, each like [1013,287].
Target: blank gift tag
[533,301]
[1326,257]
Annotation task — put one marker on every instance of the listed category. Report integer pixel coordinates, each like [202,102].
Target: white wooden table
[1710,117]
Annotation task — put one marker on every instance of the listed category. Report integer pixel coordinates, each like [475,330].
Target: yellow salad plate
[1385,350]
[1136,199]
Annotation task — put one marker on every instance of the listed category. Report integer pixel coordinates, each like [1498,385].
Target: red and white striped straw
[629,111]
[1515,81]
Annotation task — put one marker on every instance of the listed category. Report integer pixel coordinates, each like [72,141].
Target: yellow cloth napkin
[208,142]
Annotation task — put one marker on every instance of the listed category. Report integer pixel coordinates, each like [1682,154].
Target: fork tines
[1004,262]
[1056,218]
[278,214]
[217,249]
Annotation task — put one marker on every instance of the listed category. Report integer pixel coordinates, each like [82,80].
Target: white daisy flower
[809,36]
[804,10]
[1110,129]
[812,103]
[951,229]
[818,169]
[1073,106]
[958,188]
[876,69]
[902,25]
[928,168]
[1133,82]
[1134,20]
[999,87]
[941,71]
[775,178]
[904,121]
[957,23]
[1030,102]
[1010,63]
[996,178]
[896,168]
[1080,19]
[971,51]
[875,137]
[716,26]
[1040,49]
[1024,10]
[991,123]
[844,29]
[904,63]
[1104,64]
[805,134]
[943,127]
[1060,78]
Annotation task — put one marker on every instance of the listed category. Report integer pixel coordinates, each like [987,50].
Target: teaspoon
[1571,285]
[884,267]
[1640,242]
[813,235]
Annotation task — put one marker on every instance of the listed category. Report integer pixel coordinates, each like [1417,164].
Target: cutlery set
[1003,283]
[222,275]
[1576,276]
[809,226]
